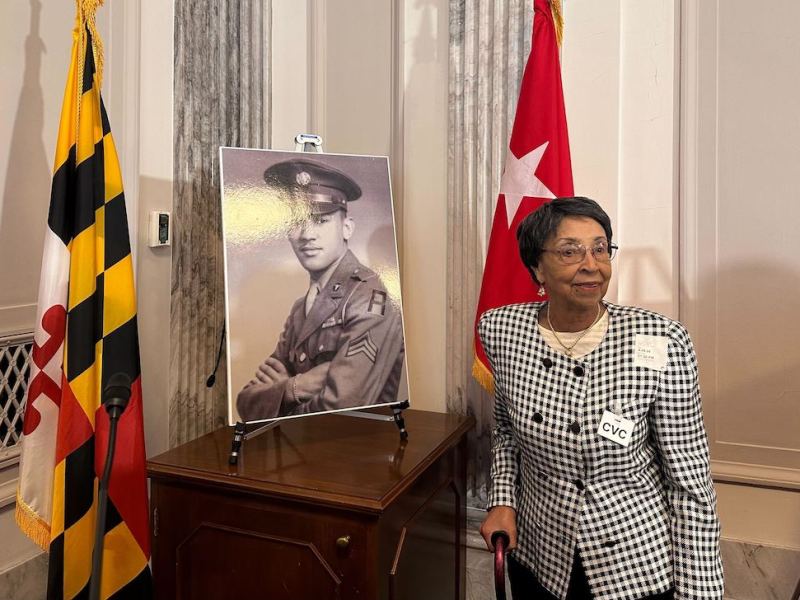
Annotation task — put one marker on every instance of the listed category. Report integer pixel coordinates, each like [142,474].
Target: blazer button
[609,544]
[575,427]
[542,475]
[578,371]
[537,417]
[547,363]
[302,356]
[579,484]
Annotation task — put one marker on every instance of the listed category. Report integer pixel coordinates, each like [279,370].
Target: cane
[500,541]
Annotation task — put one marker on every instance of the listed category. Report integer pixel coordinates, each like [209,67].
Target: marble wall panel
[221,98]
[489,44]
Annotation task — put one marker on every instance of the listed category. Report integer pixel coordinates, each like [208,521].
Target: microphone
[213,377]
[117,394]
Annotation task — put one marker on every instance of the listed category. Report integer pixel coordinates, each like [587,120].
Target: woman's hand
[500,518]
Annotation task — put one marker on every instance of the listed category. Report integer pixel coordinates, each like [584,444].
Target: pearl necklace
[568,349]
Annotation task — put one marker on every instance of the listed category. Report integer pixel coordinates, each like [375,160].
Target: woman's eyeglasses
[571,254]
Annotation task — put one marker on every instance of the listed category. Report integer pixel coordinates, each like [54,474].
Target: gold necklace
[568,349]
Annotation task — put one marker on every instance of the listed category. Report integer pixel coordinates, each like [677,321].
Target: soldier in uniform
[342,344]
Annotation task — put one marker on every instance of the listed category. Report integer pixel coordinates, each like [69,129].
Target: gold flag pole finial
[558,19]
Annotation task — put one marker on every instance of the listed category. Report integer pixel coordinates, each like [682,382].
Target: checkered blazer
[643,516]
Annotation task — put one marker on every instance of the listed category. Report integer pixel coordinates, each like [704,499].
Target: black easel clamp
[240,435]
[236,445]
[397,412]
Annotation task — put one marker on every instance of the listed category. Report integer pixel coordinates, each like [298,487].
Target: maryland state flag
[537,170]
[86,332]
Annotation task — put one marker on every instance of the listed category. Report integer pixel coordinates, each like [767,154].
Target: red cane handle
[500,541]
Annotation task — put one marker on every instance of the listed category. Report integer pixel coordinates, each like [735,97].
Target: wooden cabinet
[329,506]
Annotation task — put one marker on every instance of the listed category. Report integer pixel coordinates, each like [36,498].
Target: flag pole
[538,169]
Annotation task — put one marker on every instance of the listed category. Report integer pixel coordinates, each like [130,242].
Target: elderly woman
[600,468]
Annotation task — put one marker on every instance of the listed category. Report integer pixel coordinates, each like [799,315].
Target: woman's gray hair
[534,230]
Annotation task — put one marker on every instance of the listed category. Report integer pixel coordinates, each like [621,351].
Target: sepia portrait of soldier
[342,342]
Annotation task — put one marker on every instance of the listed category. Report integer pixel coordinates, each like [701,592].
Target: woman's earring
[542,292]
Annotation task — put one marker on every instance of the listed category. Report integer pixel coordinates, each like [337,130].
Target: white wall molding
[758,475]
[154,192]
[121,94]
[9,475]
[753,386]
[754,470]
[396,133]
[8,491]
[291,61]
[17,318]
[317,72]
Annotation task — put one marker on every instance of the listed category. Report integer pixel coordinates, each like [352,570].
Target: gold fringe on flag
[558,19]
[482,375]
[31,525]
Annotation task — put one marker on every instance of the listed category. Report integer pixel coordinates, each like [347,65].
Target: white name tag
[650,351]
[614,428]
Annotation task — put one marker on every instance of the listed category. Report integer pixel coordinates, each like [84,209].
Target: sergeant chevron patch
[363,344]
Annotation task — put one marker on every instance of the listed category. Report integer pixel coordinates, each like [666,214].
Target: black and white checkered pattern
[643,516]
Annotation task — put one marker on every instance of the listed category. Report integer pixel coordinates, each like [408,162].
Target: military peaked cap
[326,189]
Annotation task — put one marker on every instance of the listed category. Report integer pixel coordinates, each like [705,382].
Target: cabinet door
[429,555]
[216,561]
[213,545]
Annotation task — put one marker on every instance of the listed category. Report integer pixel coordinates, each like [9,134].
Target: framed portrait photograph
[312,288]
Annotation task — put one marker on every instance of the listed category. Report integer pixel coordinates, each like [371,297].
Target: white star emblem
[519,180]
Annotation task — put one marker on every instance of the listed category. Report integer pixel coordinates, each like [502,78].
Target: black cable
[213,377]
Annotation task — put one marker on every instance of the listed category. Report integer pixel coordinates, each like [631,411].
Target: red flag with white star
[537,170]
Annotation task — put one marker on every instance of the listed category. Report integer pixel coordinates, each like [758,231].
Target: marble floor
[752,572]
[27,581]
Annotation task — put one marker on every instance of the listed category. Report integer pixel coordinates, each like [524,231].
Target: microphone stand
[117,394]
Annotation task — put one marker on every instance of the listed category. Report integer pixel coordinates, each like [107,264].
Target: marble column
[221,98]
[489,44]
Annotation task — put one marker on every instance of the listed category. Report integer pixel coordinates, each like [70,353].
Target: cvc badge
[615,428]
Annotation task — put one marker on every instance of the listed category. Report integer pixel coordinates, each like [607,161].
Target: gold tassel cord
[86,11]
[558,19]
[89,10]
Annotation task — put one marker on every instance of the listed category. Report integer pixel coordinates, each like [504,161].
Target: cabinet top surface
[333,459]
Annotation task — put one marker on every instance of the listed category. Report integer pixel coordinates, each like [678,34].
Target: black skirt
[525,585]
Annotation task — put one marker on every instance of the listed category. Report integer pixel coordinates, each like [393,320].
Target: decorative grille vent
[15,358]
